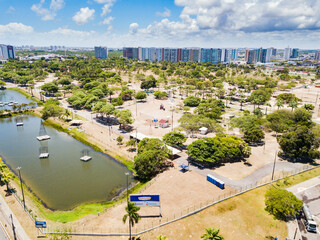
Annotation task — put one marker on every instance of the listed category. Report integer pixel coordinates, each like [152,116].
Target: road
[309,192]
[251,179]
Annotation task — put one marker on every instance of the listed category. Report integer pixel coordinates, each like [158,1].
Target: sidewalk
[5,213]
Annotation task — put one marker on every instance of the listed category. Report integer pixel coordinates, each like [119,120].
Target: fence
[152,224]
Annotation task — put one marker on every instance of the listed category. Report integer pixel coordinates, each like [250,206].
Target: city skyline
[165,23]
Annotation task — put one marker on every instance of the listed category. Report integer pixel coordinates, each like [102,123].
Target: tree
[125,117]
[288,97]
[192,101]
[52,110]
[107,109]
[253,134]
[300,142]
[293,104]
[148,163]
[218,149]
[148,83]
[160,95]
[281,203]
[132,214]
[131,143]
[119,140]
[174,139]
[3,167]
[7,176]
[140,95]
[162,237]
[279,103]
[212,234]
[49,88]
[308,107]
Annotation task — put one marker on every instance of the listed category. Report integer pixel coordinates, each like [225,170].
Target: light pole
[24,203]
[274,165]
[127,174]
[13,228]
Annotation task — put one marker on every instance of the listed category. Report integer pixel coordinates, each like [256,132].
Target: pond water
[62,181]
[7,96]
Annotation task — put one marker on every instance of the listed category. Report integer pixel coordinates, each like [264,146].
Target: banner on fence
[145,200]
[41,224]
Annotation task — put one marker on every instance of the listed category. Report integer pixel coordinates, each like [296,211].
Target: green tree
[162,237]
[293,104]
[308,107]
[140,95]
[212,234]
[52,110]
[7,176]
[160,95]
[253,134]
[281,203]
[119,140]
[174,139]
[300,142]
[288,97]
[279,103]
[50,88]
[125,117]
[192,101]
[131,143]
[148,163]
[3,167]
[132,214]
[218,149]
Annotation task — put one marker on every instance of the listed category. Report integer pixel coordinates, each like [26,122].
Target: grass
[82,210]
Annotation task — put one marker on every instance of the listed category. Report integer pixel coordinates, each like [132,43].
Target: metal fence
[149,225]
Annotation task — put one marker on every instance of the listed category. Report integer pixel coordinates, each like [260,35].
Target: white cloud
[83,16]
[133,28]
[107,21]
[15,28]
[48,13]
[165,13]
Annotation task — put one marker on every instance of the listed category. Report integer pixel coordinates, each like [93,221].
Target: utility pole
[274,165]
[24,203]
[172,120]
[13,228]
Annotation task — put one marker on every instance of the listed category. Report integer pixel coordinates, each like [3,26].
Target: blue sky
[161,23]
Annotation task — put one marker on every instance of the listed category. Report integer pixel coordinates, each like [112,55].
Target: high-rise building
[206,55]
[7,51]
[273,52]
[195,55]
[130,53]
[101,52]
[287,53]
[174,55]
[159,54]
[294,53]
[185,54]
[251,56]
[317,56]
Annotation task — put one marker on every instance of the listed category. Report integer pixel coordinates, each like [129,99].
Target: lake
[62,181]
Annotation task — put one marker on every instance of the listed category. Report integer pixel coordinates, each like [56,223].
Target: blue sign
[41,224]
[145,200]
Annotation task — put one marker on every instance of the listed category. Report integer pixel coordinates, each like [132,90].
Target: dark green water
[62,181]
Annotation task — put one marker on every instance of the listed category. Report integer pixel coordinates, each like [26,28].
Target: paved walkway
[252,179]
[5,213]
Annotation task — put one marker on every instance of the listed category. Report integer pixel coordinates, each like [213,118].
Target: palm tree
[162,237]
[293,104]
[3,167]
[132,214]
[212,234]
[267,105]
[7,177]
[241,103]
[279,103]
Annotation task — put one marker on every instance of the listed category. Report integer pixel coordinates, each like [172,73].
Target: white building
[287,53]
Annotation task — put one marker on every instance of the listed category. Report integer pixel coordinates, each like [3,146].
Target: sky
[161,23]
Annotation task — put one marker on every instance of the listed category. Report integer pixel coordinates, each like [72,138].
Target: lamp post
[13,228]
[274,165]
[24,203]
[127,174]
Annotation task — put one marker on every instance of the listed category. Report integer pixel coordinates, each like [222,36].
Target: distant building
[7,51]
[101,52]
[130,53]
[294,53]
[317,56]
[287,53]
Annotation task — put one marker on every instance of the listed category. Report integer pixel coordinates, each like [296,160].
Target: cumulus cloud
[15,28]
[83,16]
[47,13]
[165,13]
[133,28]
[107,21]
